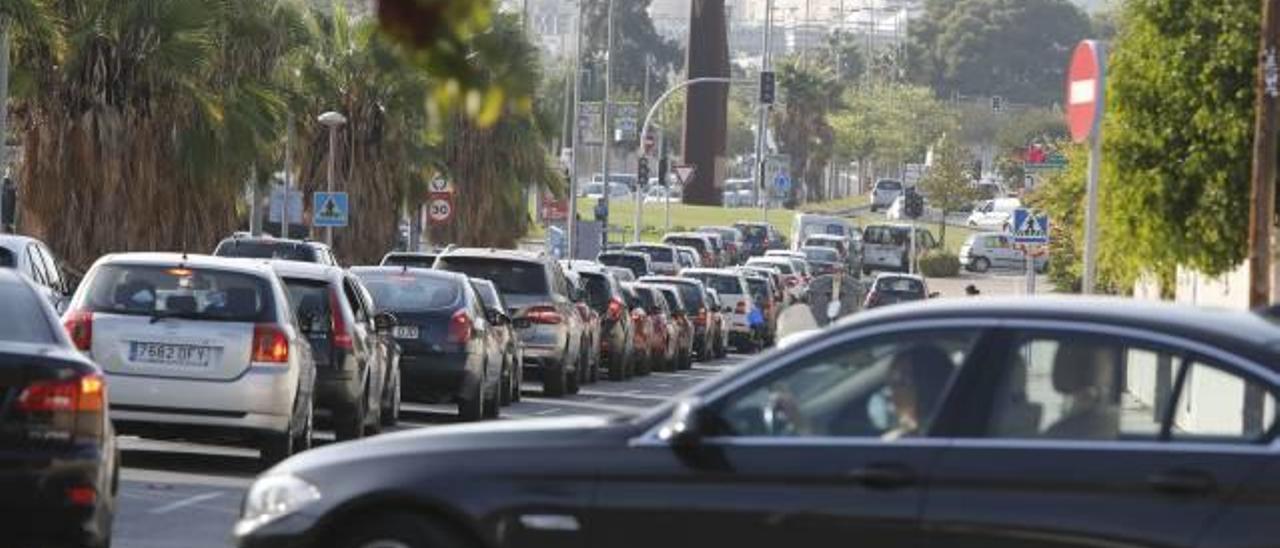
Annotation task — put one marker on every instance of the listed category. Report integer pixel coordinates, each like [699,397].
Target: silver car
[884,193]
[198,347]
[982,252]
[33,260]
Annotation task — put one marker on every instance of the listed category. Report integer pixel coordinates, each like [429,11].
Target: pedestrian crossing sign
[329,210]
[1030,228]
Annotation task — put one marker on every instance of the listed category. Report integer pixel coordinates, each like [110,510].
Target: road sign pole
[1091,215]
[1262,212]
[639,205]
[1031,270]
[911,255]
[1086,102]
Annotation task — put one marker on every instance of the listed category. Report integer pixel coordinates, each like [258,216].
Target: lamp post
[333,121]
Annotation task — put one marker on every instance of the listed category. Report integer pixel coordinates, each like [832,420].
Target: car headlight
[273,497]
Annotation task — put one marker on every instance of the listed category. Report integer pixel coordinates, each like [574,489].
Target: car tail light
[70,395]
[615,309]
[341,335]
[79,326]
[544,315]
[270,345]
[460,328]
[82,495]
[701,319]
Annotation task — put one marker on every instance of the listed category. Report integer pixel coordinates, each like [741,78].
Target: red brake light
[702,316]
[615,309]
[71,395]
[460,328]
[338,324]
[82,495]
[79,325]
[270,345]
[544,315]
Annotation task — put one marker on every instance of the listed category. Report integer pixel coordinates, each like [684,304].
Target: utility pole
[762,125]
[571,235]
[1262,214]
[333,121]
[608,129]
[4,122]
[288,166]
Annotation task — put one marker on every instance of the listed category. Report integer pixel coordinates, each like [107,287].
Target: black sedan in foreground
[1035,422]
[58,457]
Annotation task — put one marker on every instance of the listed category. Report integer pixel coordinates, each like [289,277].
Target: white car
[982,252]
[661,194]
[735,297]
[792,275]
[994,214]
[198,347]
[884,192]
[33,260]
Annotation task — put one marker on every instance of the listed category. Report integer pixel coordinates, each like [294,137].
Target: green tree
[635,43]
[808,95]
[947,184]
[1178,139]
[888,124]
[1012,48]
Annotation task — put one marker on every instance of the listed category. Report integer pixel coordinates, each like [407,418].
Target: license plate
[406,332]
[171,354]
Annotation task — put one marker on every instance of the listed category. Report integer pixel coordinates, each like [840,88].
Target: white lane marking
[546,412]
[189,501]
[586,405]
[627,395]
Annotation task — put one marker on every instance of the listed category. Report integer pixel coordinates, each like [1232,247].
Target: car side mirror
[385,321]
[683,429]
[522,323]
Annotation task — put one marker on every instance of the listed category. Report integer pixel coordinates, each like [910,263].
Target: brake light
[460,328]
[338,324]
[544,315]
[270,345]
[79,326]
[71,395]
[615,309]
[82,495]
[702,316]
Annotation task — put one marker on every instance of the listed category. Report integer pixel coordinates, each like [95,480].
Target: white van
[884,247]
[808,224]
[994,214]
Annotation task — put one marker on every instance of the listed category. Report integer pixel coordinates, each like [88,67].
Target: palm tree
[809,93]
[141,119]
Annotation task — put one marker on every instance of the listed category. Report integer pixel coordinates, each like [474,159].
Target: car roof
[435,253]
[625,252]
[13,241]
[494,253]
[313,271]
[670,280]
[716,271]
[1242,332]
[410,271]
[685,235]
[824,237]
[149,258]
[899,275]
[272,240]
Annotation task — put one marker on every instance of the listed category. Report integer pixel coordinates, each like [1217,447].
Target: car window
[885,387]
[599,292]
[51,269]
[1216,405]
[412,261]
[353,300]
[821,254]
[29,324]
[724,285]
[888,185]
[36,264]
[400,292]
[511,277]
[7,259]
[885,235]
[310,299]
[194,293]
[1072,387]
[899,285]
[288,251]
[696,243]
[656,253]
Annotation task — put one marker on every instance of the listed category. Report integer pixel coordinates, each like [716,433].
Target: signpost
[1031,232]
[440,201]
[330,210]
[591,123]
[1086,86]
[684,173]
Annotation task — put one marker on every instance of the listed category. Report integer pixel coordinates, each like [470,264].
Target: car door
[54,279]
[1088,436]
[808,453]
[1002,252]
[380,343]
[363,336]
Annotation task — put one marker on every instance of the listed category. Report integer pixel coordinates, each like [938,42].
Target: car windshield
[821,254]
[512,277]
[489,295]
[635,264]
[412,261]
[724,285]
[657,254]
[759,289]
[256,249]
[599,291]
[673,300]
[24,322]
[904,286]
[754,232]
[409,292]
[208,294]
[696,243]
[888,185]
[886,235]
[310,299]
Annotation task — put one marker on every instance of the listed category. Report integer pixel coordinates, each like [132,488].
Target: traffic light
[997,104]
[664,167]
[766,87]
[913,204]
[642,172]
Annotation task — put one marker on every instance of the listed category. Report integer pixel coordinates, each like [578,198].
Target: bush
[940,264]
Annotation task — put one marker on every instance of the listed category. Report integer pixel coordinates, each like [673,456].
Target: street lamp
[333,121]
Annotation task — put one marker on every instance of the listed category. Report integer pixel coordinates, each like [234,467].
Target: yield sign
[1085,88]
[684,173]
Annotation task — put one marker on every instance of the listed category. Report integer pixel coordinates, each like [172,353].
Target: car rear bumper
[339,388]
[435,377]
[260,399]
[33,500]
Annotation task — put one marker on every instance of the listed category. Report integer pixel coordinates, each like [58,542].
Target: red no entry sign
[1085,87]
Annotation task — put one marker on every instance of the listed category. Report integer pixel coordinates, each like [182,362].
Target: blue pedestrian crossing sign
[330,210]
[1029,228]
[781,181]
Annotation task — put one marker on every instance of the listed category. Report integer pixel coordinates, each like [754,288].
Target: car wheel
[504,389]
[374,418]
[981,264]
[351,426]
[517,379]
[304,438]
[617,367]
[554,381]
[391,413]
[493,401]
[399,530]
[472,408]
[275,447]
[642,365]
[572,386]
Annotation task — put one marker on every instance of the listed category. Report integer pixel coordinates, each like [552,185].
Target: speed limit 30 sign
[440,210]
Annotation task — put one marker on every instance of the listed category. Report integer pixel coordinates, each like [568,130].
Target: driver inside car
[917,378]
